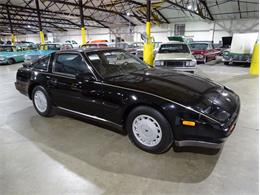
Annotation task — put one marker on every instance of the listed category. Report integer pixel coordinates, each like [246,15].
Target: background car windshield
[115,63]
[201,46]
[174,48]
[6,48]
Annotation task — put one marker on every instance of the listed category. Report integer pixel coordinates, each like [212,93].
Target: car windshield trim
[137,65]
[174,48]
[201,46]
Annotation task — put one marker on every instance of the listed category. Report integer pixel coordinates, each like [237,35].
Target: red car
[203,51]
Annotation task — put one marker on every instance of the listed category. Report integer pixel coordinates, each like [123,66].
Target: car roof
[203,42]
[90,50]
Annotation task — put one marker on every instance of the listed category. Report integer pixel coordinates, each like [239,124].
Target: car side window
[69,63]
[42,63]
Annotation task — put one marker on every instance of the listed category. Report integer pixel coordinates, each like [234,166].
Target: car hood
[183,88]
[197,51]
[174,56]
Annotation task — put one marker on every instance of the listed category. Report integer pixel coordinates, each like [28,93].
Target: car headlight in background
[199,56]
[158,63]
[2,59]
[226,53]
[191,63]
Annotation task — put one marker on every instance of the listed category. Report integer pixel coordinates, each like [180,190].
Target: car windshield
[201,46]
[174,48]
[115,63]
[6,48]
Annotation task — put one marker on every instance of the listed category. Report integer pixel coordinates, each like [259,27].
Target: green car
[12,54]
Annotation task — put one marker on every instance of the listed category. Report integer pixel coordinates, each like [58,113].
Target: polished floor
[68,156]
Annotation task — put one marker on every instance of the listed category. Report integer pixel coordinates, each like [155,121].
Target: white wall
[198,30]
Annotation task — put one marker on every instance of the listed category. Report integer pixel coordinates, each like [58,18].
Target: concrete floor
[65,156]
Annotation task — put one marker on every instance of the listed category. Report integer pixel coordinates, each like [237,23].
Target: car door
[67,91]
[17,54]
[111,97]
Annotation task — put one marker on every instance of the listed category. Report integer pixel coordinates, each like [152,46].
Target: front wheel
[149,130]
[226,63]
[205,60]
[42,102]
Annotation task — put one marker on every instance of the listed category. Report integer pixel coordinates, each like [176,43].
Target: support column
[83,29]
[213,31]
[13,39]
[148,46]
[39,21]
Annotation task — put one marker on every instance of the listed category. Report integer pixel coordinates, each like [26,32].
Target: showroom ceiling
[62,15]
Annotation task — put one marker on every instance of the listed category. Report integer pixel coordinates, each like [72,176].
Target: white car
[175,55]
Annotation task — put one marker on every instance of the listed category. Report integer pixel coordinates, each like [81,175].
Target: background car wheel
[10,61]
[42,102]
[226,63]
[149,130]
[205,60]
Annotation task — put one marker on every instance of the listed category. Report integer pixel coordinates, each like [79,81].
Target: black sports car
[156,108]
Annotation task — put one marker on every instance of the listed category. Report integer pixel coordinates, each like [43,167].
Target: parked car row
[28,52]
[176,55]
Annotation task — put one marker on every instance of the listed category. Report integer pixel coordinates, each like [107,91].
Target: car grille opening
[175,63]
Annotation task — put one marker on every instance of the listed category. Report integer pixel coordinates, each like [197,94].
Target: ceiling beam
[43,17]
[239,9]
[21,8]
[186,9]
[228,13]
[162,16]
[94,8]
[9,20]
[204,3]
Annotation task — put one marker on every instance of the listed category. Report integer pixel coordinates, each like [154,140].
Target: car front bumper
[209,136]
[22,87]
[181,69]
[3,62]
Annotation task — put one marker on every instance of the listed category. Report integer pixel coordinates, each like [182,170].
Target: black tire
[10,61]
[226,63]
[167,138]
[205,60]
[48,112]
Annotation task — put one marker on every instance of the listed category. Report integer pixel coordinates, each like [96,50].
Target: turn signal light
[189,123]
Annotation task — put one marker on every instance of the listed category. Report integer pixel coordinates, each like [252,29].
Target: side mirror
[88,76]
[27,64]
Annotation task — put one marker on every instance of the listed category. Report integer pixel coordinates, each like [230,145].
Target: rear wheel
[10,61]
[149,130]
[42,102]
